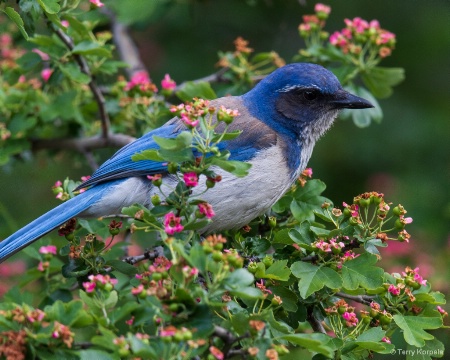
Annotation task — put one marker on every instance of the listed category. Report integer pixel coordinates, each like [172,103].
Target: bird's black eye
[310,95]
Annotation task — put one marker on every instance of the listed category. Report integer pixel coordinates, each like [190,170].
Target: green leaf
[65,313]
[73,72]
[29,60]
[307,200]
[91,48]
[14,16]
[313,342]
[123,267]
[313,278]
[434,297]
[151,155]
[360,272]
[301,235]
[93,354]
[50,6]
[380,80]
[278,271]
[200,89]
[414,328]
[433,349]
[363,117]
[371,340]
[237,168]
[238,279]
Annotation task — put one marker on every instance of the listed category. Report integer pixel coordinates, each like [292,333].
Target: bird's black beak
[344,100]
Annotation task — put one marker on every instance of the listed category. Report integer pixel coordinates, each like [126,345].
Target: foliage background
[405,157]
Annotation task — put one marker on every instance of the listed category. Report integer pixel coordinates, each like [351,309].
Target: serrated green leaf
[414,328]
[200,89]
[14,16]
[360,272]
[433,349]
[313,342]
[313,278]
[278,271]
[380,80]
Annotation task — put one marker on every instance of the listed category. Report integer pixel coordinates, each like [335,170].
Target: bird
[281,118]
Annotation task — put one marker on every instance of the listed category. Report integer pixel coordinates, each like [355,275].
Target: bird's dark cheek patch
[290,107]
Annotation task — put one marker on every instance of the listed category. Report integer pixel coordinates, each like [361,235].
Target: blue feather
[52,219]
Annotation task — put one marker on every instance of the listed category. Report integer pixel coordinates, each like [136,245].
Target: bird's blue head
[300,101]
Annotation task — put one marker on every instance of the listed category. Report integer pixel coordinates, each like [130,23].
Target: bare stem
[150,254]
[362,299]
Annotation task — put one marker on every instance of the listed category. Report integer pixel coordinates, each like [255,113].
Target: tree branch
[82,144]
[216,77]
[362,299]
[148,255]
[313,321]
[84,67]
[126,48]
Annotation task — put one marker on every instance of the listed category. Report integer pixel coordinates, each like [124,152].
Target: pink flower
[168,331]
[216,353]
[308,171]
[188,271]
[191,179]
[42,266]
[97,3]
[206,209]
[350,319]
[49,249]
[394,290]
[130,321]
[5,40]
[322,8]
[137,290]
[386,340]
[441,310]
[46,73]
[139,78]
[42,54]
[172,224]
[188,121]
[65,23]
[89,287]
[167,83]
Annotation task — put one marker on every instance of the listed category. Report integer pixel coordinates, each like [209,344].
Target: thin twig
[362,299]
[84,67]
[216,77]
[150,254]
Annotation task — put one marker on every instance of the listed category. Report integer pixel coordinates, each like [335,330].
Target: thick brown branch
[82,144]
[84,67]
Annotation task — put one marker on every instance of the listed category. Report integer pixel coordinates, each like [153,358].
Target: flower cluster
[328,246]
[312,25]
[360,36]
[156,281]
[168,84]
[192,111]
[99,281]
[304,176]
[141,80]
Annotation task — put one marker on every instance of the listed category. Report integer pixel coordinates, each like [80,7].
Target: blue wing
[120,165]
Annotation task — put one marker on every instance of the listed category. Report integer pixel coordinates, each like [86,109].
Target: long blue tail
[51,220]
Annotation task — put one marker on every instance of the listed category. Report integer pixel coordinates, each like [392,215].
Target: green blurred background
[406,156]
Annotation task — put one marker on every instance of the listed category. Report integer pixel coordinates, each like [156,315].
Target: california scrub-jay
[281,117]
